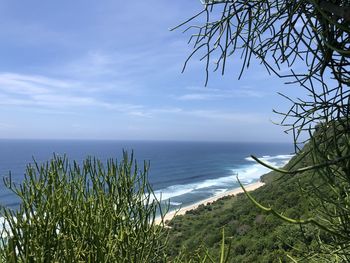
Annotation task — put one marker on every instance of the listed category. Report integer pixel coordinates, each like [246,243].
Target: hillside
[255,236]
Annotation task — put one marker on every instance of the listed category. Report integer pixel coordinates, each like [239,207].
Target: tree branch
[341,11]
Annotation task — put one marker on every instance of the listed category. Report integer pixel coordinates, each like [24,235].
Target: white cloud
[132,64]
[214,115]
[216,94]
[198,96]
[92,64]
[168,110]
[39,91]
[241,117]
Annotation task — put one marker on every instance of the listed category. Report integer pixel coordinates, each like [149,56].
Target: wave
[284,156]
[268,157]
[247,173]
[179,190]
[175,203]
[249,159]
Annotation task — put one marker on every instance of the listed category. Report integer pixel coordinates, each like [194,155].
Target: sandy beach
[183,210]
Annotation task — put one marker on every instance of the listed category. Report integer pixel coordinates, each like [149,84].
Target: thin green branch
[270,210]
[304,169]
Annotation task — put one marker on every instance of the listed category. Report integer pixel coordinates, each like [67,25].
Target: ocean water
[181,173]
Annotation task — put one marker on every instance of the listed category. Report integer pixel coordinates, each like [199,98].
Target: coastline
[183,210]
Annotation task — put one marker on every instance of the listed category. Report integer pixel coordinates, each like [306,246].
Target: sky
[108,69]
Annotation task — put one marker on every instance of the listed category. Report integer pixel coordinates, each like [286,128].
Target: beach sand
[183,210]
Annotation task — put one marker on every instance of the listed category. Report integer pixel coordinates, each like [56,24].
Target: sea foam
[247,173]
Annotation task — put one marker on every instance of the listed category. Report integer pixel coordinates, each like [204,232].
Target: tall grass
[88,213]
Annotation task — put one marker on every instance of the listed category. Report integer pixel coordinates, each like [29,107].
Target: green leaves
[88,213]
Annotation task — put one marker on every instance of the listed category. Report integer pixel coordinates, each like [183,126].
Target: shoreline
[171,214]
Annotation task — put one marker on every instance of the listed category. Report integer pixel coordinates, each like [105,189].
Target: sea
[181,173]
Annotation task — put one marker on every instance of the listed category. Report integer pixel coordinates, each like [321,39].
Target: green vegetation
[325,172]
[89,213]
[253,235]
[258,235]
[311,38]
[92,213]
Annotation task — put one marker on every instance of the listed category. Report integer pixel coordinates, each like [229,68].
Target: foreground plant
[88,213]
[307,43]
[203,254]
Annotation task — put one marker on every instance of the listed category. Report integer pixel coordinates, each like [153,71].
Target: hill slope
[255,236]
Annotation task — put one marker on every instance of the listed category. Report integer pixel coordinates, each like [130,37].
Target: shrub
[87,213]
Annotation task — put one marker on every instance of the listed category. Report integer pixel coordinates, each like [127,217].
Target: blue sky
[112,70]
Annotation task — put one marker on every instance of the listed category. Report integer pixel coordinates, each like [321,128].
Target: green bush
[87,213]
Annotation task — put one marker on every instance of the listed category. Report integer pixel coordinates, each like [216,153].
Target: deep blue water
[185,172]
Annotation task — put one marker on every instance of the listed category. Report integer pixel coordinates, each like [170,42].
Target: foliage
[88,213]
[315,33]
[203,255]
[313,37]
[328,187]
[255,235]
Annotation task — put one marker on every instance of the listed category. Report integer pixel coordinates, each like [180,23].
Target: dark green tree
[315,35]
